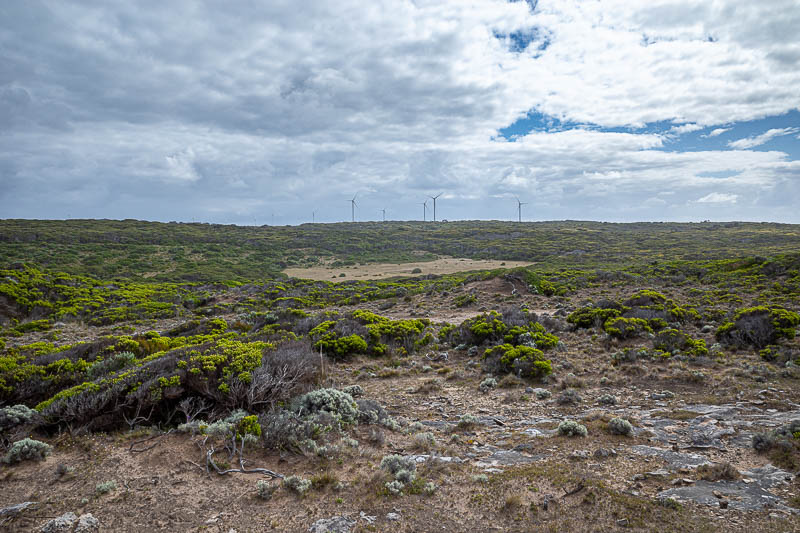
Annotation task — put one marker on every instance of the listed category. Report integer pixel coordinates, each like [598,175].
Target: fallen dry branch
[152,437]
[241,469]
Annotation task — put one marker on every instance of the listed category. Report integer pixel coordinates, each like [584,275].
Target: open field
[443,265]
[555,396]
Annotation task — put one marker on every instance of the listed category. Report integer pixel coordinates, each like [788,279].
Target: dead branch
[146,439]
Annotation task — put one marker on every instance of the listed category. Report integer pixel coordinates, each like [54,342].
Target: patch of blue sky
[705,139]
[716,137]
[533,40]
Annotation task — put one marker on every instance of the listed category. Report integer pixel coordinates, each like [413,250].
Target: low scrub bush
[620,426]
[339,405]
[522,361]
[27,450]
[758,327]
[570,428]
[297,484]
[15,415]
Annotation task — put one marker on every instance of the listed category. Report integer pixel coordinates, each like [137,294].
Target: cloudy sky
[266,111]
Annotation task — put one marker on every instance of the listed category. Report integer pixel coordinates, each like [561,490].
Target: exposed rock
[602,453]
[740,496]
[87,523]
[393,517]
[337,524]
[675,460]
[509,458]
[63,523]
[14,510]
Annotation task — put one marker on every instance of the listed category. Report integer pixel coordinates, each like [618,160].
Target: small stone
[723,504]
[717,494]
[623,522]
[393,517]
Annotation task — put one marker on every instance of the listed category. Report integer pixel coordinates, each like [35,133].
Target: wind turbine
[353,206]
[313,216]
[424,210]
[519,208]
[384,214]
[434,204]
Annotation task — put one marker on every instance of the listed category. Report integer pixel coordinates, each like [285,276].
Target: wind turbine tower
[353,206]
[424,210]
[384,214]
[434,204]
[519,209]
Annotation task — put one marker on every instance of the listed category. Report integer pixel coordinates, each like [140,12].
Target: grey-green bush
[26,450]
[264,489]
[487,384]
[620,426]
[336,403]
[570,428]
[297,484]
[15,415]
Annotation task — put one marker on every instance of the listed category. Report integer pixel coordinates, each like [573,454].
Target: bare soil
[443,265]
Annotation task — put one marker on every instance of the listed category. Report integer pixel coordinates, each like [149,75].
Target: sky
[279,112]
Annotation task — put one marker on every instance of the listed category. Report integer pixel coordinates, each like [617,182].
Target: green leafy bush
[669,340]
[523,361]
[626,328]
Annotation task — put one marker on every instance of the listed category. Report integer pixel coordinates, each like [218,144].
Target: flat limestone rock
[741,496]
[508,458]
[675,460]
[337,524]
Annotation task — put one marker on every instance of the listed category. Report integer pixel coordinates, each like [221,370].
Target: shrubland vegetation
[108,326]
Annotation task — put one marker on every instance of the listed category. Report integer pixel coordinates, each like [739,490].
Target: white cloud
[758,140]
[684,128]
[716,132]
[181,166]
[718,198]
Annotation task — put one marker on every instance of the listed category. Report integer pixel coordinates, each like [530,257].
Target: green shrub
[590,317]
[669,340]
[464,300]
[523,361]
[26,450]
[626,328]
